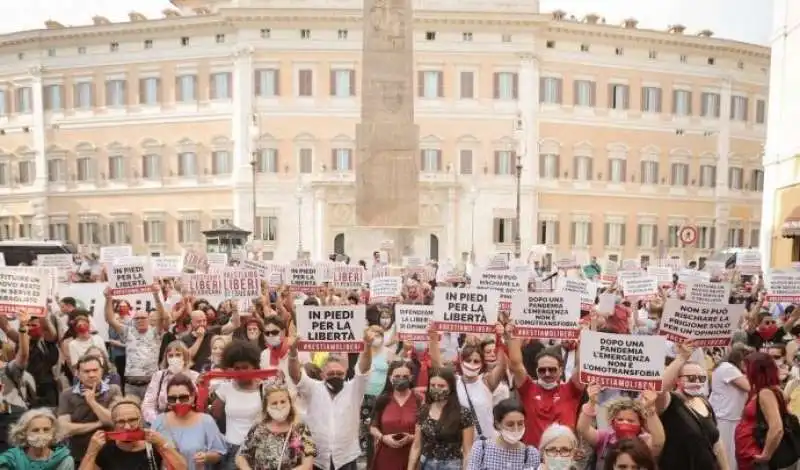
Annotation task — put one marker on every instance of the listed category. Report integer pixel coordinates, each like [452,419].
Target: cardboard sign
[109,254]
[241,283]
[385,289]
[606,303]
[166,266]
[412,321]
[195,261]
[506,282]
[631,265]
[708,292]
[204,285]
[217,260]
[347,277]
[64,263]
[783,287]
[643,287]
[23,289]
[748,262]
[546,315]
[335,328]
[132,277]
[587,290]
[568,262]
[662,273]
[302,276]
[707,325]
[2,259]
[465,310]
[625,362]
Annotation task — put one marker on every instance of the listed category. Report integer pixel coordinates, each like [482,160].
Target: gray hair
[18,432]
[555,431]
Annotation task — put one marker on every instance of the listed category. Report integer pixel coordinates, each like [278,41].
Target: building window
[739,105]
[151,166]
[550,90]
[735,237]
[267,228]
[3,100]
[220,38]
[614,236]
[680,174]
[466,37]
[431,160]
[710,105]
[24,100]
[342,34]
[649,172]
[84,95]
[465,161]
[119,232]
[503,231]
[153,231]
[306,161]
[342,159]
[115,93]
[549,166]
[682,102]
[653,54]
[585,93]
[85,169]
[505,38]
[683,58]
[647,236]
[217,222]
[267,161]
[708,176]
[6,228]
[58,231]
[581,234]
[706,237]
[56,170]
[549,232]
[26,171]
[761,111]
[673,241]
[149,89]
[755,237]
[266,33]
[343,83]
[431,84]
[81,50]
[221,162]
[267,83]
[187,164]
[186,88]
[430,36]
[4,174]
[618,96]
[582,168]
[617,170]
[116,167]
[53,97]
[651,99]
[735,178]
[506,86]
[467,85]
[757,180]
[185,41]
[221,86]
[305,34]
[503,162]
[584,48]
[550,44]
[305,82]
[148,43]
[113,47]
[88,233]
[188,230]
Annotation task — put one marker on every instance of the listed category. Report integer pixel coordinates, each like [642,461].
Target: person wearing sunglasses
[176,361]
[195,435]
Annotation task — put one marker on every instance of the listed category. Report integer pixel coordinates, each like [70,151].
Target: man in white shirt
[334,406]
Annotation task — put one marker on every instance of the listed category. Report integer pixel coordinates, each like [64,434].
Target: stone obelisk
[387,156]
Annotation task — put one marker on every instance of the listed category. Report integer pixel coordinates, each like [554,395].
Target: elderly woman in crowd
[176,361]
[35,440]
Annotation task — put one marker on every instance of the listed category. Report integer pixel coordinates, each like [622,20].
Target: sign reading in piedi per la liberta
[134,276]
[465,310]
[332,328]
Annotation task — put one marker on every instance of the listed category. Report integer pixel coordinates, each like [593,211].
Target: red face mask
[124,310]
[767,332]
[181,409]
[626,430]
[82,328]
[35,331]
[125,436]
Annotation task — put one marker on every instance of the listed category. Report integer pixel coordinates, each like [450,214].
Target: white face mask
[175,364]
[377,342]
[273,340]
[279,413]
[468,370]
[696,390]
[39,440]
[547,385]
[559,463]
[512,437]
[386,322]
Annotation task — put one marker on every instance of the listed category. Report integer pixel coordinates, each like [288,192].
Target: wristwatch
[23,330]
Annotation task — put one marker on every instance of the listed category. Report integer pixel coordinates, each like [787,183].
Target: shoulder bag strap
[158,392]
[472,409]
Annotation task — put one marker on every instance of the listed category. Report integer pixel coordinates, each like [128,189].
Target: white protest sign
[167,266]
[546,315]
[89,296]
[708,292]
[195,261]
[465,310]
[412,321]
[631,265]
[506,282]
[241,283]
[606,303]
[587,290]
[568,262]
[413,261]
[109,254]
[23,289]
[334,328]
[302,276]
[131,277]
[662,273]
[64,263]
[783,287]
[347,277]
[204,285]
[385,289]
[498,261]
[748,261]
[642,287]
[707,325]
[689,276]
[217,260]
[2,259]
[625,362]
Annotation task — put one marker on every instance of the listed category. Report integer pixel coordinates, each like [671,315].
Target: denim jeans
[433,464]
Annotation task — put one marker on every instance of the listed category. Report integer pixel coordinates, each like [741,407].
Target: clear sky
[743,20]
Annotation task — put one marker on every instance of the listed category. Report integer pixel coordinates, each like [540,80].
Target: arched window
[338,244]
[434,247]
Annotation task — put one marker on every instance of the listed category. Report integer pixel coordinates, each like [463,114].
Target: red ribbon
[126,436]
[277,352]
[204,379]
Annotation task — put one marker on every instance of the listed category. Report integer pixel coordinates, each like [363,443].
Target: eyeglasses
[547,370]
[172,399]
[695,379]
[272,332]
[559,451]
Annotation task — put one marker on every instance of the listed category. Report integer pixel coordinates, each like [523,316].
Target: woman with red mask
[195,435]
[84,339]
[629,419]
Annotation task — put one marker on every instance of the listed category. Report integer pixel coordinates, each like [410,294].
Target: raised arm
[112,319]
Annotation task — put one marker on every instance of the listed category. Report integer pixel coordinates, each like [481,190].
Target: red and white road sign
[687,234]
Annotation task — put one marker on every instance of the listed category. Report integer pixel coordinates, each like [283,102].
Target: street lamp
[299,197]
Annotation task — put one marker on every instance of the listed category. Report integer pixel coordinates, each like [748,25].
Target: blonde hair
[556,431]
[177,345]
[225,340]
[620,404]
[18,432]
[276,387]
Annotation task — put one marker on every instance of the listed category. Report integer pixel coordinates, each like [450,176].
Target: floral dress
[262,448]
[437,445]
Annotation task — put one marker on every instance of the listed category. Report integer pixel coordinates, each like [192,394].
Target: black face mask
[402,384]
[334,384]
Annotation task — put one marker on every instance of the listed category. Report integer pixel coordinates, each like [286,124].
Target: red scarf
[203,380]
[424,369]
[276,353]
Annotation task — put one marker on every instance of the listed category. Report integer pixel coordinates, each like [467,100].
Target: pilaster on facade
[529,141]
[723,138]
[319,225]
[39,146]
[244,122]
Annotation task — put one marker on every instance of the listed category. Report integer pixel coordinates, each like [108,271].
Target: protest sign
[194,261]
[708,292]
[132,277]
[2,259]
[89,296]
[166,266]
[217,260]
[347,277]
[707,325]
[23,289]
[623,276]
[587,290]
[662,273]
[109,254]
[204,285]
[413,261]
[748,261]
[631,265]
[334,328]
[412,321]
[506,282]
[498,261]
[546,315]
[641,287]
[465,310]
[302,276]
[567,262]
[421,273]
[385,289]
[625,362]
[64,263]
[606,303]
[609,274]
[241,283]
[783,286]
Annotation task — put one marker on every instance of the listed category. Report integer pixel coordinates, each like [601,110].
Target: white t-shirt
[727,399]
[482,402]
[77,347]
[242,409]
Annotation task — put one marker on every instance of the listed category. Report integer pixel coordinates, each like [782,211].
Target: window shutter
[333,160]
[673,172]
[125,98]
[655,236]
[626,97]
[277,80]
[746,104]
[575,167]
[643,177]
[332,82]
[606,234]
[422,160]
[496,85]
[352,74]
[644,99]
[689,103]
[589,168]
[276,160]
[622,235]
[675,94]
[421,84]
[559,90]
[515,85]
[496,230]
[257,82]
[639,235]
[572,233]
[496,162]
[142,90]
[658,100]
[610,168]
[440,84]
[556,232]
[542,159]
[611,95]
[159,91]
[438,160]
[716,100]
[575,89]
[558,166]
[712,243]
[589,234]
[542,82]
[47,98]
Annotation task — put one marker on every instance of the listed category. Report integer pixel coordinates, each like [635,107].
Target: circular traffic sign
[687,234]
